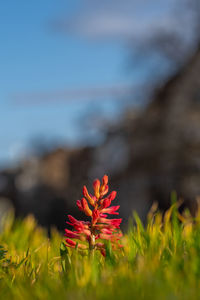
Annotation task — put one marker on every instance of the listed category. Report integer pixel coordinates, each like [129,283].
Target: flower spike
[99,227]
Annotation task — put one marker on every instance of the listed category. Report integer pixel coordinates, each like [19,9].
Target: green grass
[159,261]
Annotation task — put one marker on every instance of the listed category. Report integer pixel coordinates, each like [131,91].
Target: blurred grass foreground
[159,261]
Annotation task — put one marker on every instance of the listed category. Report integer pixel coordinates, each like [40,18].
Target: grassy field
[158,261]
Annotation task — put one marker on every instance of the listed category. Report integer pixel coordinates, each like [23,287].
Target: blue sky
[35,58]
[87,49]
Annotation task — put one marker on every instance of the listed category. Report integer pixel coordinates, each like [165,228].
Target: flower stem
[92,245]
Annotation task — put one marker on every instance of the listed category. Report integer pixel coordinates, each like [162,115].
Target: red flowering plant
[93,234]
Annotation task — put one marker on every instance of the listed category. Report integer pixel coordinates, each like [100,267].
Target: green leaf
[65,257]
[2,252]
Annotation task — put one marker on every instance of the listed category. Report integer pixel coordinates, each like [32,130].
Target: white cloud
[167,27]
[126,19]
[116,91]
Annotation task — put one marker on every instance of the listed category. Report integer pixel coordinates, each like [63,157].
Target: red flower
[96,186]
[100,227]
[95,216]
[85,207]
[111,210]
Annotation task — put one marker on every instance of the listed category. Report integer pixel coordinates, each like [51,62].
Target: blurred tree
[169,46]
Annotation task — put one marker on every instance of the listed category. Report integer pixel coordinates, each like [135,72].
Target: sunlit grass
[159,261]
